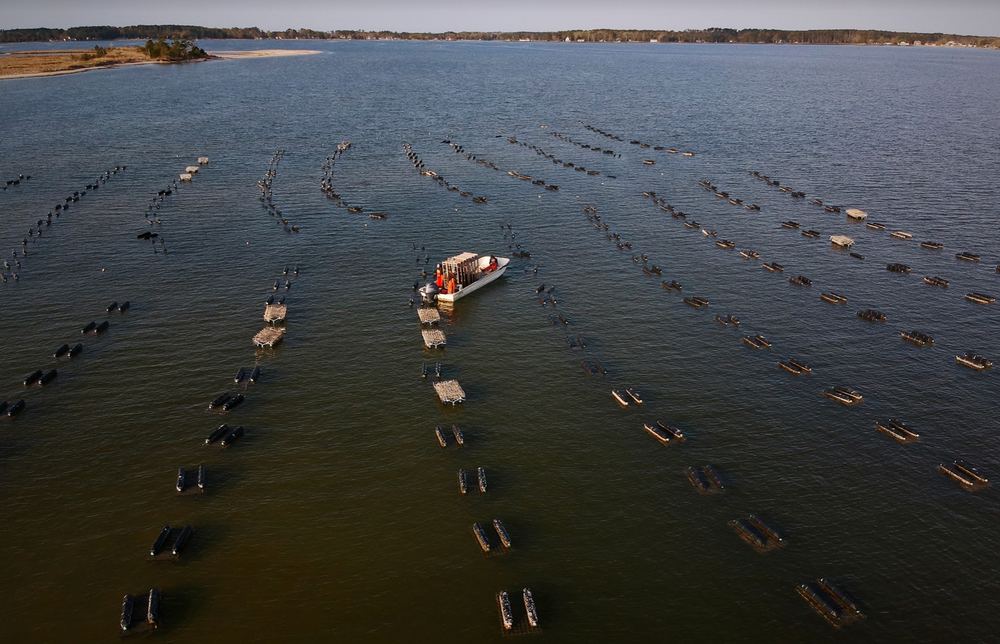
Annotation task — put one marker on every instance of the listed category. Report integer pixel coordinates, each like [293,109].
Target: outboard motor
[428,293]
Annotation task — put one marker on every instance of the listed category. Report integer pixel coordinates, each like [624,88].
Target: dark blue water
[338,515]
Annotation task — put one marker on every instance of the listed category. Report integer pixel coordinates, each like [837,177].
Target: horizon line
[502,31]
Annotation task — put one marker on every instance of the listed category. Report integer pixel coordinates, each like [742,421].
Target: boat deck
[449,392]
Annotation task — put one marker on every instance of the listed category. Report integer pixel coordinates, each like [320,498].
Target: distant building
[653,40]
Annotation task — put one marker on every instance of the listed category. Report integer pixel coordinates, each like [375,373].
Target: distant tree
[99,52]
[177,50]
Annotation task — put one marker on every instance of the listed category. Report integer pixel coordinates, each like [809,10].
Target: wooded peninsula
[27,64]
[713,35]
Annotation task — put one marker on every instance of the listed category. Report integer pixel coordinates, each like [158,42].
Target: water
[338,515]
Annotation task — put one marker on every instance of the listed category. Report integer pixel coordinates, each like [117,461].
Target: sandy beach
[264,53]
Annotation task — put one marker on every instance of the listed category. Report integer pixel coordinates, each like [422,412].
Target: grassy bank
[37,63]
[25,64]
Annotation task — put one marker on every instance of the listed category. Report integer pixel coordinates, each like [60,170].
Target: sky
[972,17]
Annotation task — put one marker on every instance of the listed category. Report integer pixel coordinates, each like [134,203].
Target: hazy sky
[977,17]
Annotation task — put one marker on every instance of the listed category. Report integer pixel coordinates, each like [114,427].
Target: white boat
[469,272]
[841,240]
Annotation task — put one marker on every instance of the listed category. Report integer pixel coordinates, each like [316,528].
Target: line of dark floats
[706,478]
[422,254]
[419,165]
[35,231]
[756,341]
[484,542]
[152,207]
[801,280]
[756,531]
[43,378]
[587,146]
[970,359]
[574,342]
[828,599]
[833,298]
[514,247]
[522,176]
[16,181]
[978,298]
[326,184]
[968,476]
[658,148]
[715,484]
[828,207]
[140,613]
[529,623]
[712,478]
[459,149]
[546,297]
[552,157]
[267,195]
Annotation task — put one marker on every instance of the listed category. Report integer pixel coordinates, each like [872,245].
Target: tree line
[135,32]
[179,49]
[713,35]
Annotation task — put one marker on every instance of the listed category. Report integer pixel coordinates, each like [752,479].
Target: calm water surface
[338,515]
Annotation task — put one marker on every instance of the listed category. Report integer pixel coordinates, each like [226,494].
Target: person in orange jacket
[439,278]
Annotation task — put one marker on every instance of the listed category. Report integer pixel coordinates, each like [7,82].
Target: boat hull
[502,263]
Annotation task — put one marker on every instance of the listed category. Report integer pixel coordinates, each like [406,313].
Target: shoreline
[220,55]
[263,53]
